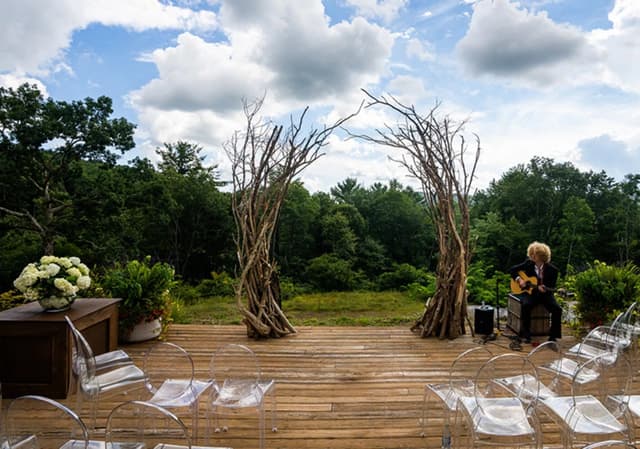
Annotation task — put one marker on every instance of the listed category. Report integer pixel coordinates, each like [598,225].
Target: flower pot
[143,331]
[56,303]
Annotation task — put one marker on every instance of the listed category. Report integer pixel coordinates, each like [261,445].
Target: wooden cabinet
[540,318]
[35,346]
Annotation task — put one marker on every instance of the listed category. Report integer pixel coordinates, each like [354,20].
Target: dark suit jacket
[549,272]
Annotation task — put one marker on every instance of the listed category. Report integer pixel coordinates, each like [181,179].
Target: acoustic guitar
[531,284]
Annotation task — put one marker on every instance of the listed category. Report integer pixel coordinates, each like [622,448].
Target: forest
[64,189]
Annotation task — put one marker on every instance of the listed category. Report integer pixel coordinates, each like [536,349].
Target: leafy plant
[144,289]
[604,290]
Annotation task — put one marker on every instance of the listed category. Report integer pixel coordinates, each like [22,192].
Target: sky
[550,78]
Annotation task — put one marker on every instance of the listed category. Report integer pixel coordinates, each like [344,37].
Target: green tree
[575,233]
[41,143]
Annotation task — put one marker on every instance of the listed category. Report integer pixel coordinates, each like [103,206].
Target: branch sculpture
[435,153]
[265,158]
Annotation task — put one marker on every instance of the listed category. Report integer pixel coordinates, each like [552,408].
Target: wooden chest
[540,318]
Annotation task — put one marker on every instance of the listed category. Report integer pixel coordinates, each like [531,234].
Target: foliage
[402,276]
[54,279]
[604,290]
[145,290]
[10,299]
[331,273]
[40,145]
[220,284]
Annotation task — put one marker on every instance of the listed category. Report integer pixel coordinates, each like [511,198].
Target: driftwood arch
[265,158]
[435,153]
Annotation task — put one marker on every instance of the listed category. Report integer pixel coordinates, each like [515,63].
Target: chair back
[83,360]
[37,422]
[234,365]
[548,354]
[525,385]
[466,364]
[142,425]
[165,362]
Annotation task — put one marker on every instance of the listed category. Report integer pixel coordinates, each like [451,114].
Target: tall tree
[435,153]
[41,142]
[265,159]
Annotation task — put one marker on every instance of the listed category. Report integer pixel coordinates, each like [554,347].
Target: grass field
[329,309]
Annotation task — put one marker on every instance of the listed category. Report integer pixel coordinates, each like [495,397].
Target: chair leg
[274,410]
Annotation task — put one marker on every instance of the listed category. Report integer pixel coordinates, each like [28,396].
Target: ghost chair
[542,383]
[599,341]
[143,425]
[459,383]
[37,422]
[238,385]
[496,416]
[170,379]
[93,386]
[105,361]
[591,412]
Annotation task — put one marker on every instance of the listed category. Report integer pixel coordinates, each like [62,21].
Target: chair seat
[112,359]
[590,351]
[526,384]
[501,416]
[588,416]
[568,368]
[450,392]
[116,378]
[179,392]
[176,446]
[238,394]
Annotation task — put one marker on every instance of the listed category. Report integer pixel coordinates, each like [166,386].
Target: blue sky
[551,78]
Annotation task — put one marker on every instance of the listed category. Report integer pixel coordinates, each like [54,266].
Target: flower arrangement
[53,281]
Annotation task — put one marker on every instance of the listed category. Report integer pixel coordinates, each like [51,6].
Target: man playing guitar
[537,277]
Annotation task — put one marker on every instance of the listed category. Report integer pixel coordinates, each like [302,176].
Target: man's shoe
[552,339]
[526,340]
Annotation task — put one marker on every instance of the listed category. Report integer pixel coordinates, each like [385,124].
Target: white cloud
[420,50]
[35,35]
[14,81]
[506,41]
[387,10]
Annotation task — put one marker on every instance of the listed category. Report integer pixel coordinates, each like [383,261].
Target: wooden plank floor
[337,387]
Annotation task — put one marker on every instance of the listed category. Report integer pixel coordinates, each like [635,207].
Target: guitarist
[537,266]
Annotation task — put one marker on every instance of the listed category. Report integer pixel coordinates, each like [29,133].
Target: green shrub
[603,291]
[402,276]
[330,273]
[220,284]
[144,289]
[419,292]
[11,298]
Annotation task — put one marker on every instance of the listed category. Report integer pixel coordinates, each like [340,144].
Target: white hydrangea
[54,281]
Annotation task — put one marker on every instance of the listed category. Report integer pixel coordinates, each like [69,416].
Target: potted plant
[53,281]
[145,290]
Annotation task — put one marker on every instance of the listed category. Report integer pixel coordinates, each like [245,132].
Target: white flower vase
[143,331]
[56,303]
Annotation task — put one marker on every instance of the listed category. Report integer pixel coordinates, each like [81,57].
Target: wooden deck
[337,387]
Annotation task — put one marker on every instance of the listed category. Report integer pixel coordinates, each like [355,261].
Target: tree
[41,142]
[265,159]
[434,152]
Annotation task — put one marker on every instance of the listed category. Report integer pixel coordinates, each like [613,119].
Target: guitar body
[532,283]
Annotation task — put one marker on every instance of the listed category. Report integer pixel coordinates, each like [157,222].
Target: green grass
[318,309]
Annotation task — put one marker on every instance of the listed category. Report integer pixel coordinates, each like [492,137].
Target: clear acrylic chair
[238,384]
[103,361]
[143,425]
[459,383]
[601,340]
[498,416]
[591,412]
[37,422]
[170,378]
[542,383]
[92,386]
